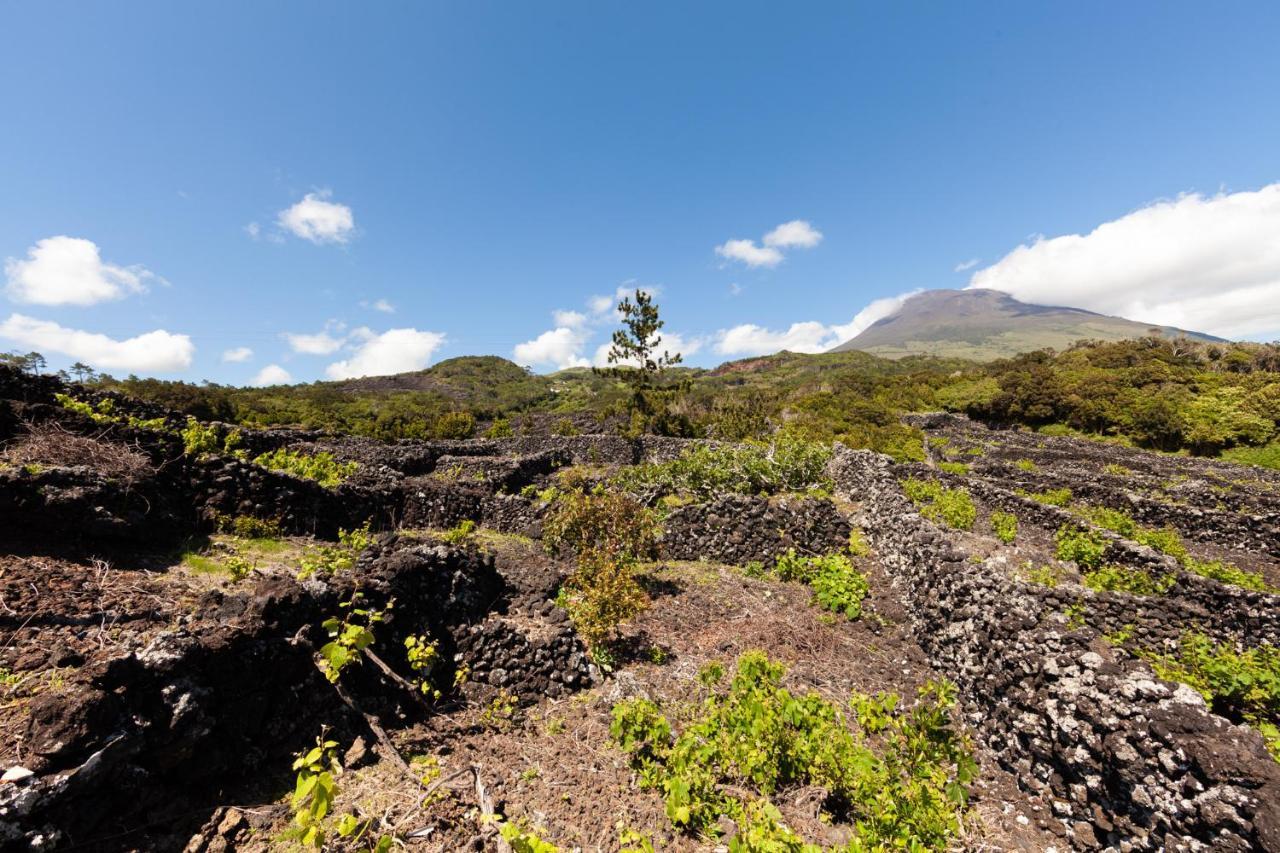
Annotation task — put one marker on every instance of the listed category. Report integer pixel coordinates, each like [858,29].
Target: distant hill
[984,325]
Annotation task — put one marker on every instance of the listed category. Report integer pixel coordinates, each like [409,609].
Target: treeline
[1154,392]
[1171,395]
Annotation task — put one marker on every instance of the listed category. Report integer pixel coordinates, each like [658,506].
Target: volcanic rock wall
[1127,761]
[738,529]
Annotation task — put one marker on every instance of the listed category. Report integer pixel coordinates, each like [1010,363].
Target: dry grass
[48,444]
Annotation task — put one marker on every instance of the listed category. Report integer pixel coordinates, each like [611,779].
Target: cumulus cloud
[392,351]
[153,352]
[1207,263]
[565,345]
[237,354]
[560,348]
[808,337]
[319,220]
[749,253]
[321,343]
[383,305]
[796,234]
[70,271]
[272,374]
[967,265]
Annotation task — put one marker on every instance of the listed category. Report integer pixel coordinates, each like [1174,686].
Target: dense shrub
[614,523]
[760,741]
[454,425]
[704,471]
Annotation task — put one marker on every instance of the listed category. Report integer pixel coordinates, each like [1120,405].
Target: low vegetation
[837,584]
[1240,685]
[1004,525]
[787,464]
[953,507]
[896,776]
[321,466]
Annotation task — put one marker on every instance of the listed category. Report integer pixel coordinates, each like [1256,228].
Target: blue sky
[478,166]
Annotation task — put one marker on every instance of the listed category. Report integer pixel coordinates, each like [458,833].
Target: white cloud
[393,351]
[254,230]
[967,265]
[749,253]
[321,343]
[238,354]
[319,220]
[155,352]
[808,337]
[604,305]
[796,234]
[70,271]
[569,319]
[735,289]
[384,306]
[750,339]
[1206,263]
[272,374]
[560,348]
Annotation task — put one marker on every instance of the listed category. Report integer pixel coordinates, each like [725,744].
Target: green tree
[645,369]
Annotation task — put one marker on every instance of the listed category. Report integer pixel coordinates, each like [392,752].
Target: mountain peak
[985,325]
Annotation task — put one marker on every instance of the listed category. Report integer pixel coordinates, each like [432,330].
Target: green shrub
[249,527]
[198,439]
[611,522]
[500,428]
[858,546]
[1082,547]
[1042,575]
[1049,497]
[454,425]
[1112,578]
[1167,541]
[837,585]
[1005,526]
[564,427]
[463,533]
[331,559]
[601,595]
[321,467]
[1025,465]
[787,465]
[958,468]
[1242,686]
[953,507]
[748,745]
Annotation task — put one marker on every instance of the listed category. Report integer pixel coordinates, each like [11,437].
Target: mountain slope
[986,324]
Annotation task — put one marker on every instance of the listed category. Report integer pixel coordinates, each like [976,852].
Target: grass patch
[1267,456]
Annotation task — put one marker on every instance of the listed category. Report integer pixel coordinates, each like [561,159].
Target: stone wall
[738,529]
[1126,760]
